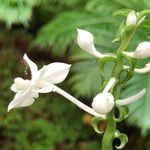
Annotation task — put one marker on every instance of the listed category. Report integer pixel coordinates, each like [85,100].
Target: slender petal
[142,70]
[130,54]
[131,99]
[39,75]
[33,67]
[56,72]
[45,90]
[23,99]
[109,85]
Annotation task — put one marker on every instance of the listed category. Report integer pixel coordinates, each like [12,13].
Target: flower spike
[131,99]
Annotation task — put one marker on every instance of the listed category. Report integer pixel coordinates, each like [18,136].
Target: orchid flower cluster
[105,103]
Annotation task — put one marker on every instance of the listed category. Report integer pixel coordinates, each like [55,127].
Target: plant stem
[109,133]
[107,141]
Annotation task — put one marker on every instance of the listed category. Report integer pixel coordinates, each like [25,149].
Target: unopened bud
[131,19]
[85,41]
[103,103]
[143,50]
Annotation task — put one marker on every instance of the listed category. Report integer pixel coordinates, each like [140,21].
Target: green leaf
[122,12]
[59,36]
[95,122]
[123,113]
[122,137]
[16,11]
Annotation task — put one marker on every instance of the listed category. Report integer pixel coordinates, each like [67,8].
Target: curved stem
[107,141]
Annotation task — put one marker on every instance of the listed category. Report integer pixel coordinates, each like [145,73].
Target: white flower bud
[85,41]
[103,103]
[143,50]
[131,19]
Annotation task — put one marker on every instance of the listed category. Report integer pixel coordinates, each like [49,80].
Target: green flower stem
[107,141]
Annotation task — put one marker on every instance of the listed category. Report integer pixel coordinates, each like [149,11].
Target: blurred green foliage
[47,29]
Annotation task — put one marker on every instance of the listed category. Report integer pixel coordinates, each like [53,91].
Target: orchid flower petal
[45,90]
[143,70]
[131,99]
[33,67]
[23,99]
[13,88]
[39,74]
[109,85]
[130,54]
[56,72]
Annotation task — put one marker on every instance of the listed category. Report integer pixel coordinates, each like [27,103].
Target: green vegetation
[46,31]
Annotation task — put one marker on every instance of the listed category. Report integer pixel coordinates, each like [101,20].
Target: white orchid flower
[85,40]
[142,51]
[103,102]
[146,69]
[27,90]
[131,19]
[43,81]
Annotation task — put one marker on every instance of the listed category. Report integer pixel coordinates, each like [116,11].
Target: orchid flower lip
[131,99]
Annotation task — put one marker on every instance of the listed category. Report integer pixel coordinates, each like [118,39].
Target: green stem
[107,141]
[109,133]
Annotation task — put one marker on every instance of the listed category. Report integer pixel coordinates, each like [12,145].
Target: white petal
[39,74]
[45,90]
[56,72]
[142,70]
[13,88]
[131,99]
[130,54]
[33,67]
[23,99]
[109,85]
